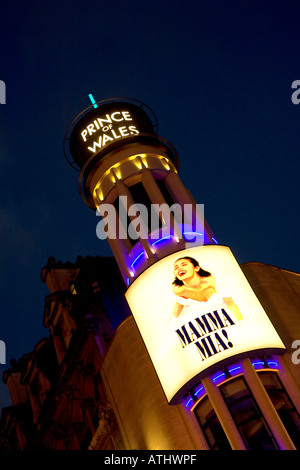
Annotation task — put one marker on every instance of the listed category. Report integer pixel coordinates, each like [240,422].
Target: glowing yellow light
[165,163]
[98,194]
[144,161]
[115,171]
[72,289]
[139,163]
[113,175]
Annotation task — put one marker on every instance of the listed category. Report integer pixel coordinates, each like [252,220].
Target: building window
[140,196]
[283,405]
[166,194]
[211,426]
[116,205]
[247,415]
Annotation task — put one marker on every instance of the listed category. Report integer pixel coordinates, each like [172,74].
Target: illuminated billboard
[195,309]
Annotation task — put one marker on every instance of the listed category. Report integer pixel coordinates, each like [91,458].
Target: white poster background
[177,361]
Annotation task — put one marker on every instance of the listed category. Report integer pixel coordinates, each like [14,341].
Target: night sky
[218,76]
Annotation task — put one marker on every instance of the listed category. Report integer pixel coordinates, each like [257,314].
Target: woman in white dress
[193,286]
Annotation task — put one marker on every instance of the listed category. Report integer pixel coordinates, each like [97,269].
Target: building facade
[119,369]
[91,383]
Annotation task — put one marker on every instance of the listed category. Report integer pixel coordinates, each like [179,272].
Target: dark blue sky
[218,76]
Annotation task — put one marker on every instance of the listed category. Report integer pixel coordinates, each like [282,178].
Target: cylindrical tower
[129,175]
[190,300]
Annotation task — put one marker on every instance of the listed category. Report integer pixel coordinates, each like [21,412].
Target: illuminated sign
[105,130]
[195,309]
[105,125]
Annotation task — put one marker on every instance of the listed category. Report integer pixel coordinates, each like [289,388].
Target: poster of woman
[195,310]
[195,286]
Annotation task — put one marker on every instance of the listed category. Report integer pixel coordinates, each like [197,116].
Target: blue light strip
[274,363]
[220,376]
[152,244]
[167,237]
[257,363]
[161,239]
[189,402]
[137,258]
[201,389]
[234,369]
[192,233]
[93,100]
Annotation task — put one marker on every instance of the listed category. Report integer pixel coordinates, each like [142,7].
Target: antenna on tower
[93,100]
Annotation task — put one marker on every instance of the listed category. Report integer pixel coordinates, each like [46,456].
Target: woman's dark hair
[201,272]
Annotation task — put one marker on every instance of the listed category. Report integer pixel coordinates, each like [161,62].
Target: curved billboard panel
[195,310]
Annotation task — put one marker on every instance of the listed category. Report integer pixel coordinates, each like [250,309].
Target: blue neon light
[167,237]
[199,390]
[161,239]
[258,363]
[141,254]
[188,402]
[192,233]
[234,368]
[218,376]
[273,363]
[93,100]
[214,240]
[152,244]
